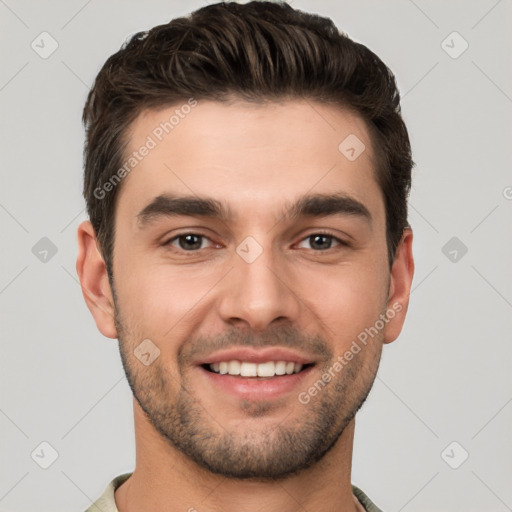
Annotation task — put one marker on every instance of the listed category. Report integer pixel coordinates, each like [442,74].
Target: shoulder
[106,502]
[367,503]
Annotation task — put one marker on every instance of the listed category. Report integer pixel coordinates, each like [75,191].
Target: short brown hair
[256,52]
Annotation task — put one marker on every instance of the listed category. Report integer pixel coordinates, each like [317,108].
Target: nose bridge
[257,290]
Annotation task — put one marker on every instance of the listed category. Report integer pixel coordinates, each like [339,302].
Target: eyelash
[341,243]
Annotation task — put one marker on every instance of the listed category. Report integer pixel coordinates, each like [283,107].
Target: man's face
[259,285]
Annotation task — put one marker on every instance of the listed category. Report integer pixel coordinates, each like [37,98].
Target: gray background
[446,379]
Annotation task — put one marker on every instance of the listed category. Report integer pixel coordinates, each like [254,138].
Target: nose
[259,293]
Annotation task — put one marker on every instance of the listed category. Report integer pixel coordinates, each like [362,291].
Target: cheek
[346,302]
[160,299]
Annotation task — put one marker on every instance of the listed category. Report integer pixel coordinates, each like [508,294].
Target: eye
[190,242]
[193,242]
[323,241]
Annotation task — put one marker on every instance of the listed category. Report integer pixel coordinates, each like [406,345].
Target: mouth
[251,370]
[251,374]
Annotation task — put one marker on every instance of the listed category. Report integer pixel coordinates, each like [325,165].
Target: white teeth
[234,367]
[267,369]
[280,367]
[247,369]
[223,368]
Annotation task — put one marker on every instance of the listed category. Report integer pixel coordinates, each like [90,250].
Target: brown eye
[322,241]
[187,241]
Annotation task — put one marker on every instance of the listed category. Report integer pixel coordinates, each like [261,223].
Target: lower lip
[254,388]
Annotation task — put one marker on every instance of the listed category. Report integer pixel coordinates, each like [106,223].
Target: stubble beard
[272,452]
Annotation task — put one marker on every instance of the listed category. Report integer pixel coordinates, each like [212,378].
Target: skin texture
[198,446]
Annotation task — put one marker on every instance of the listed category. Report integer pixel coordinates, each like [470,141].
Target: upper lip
[256,356]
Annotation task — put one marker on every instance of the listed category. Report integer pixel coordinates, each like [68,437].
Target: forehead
[254,157]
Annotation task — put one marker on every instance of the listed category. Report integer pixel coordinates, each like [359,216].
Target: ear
[402,272]
[92,272]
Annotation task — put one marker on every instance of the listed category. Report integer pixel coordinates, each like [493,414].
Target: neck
[165,480]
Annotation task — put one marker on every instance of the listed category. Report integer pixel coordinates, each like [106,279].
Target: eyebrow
[309,205]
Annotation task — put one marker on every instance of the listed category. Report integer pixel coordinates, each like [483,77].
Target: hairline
[231,99]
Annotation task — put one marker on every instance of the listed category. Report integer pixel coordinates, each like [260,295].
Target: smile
[250,369]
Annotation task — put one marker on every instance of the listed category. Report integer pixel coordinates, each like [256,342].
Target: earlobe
[92,272]
[402,272]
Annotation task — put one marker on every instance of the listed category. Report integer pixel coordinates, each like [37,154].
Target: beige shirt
[107,503]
